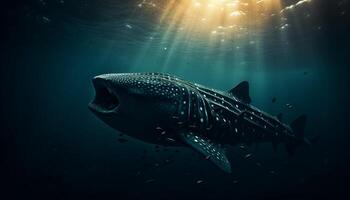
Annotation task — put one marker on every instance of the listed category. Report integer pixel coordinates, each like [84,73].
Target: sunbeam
[234,29]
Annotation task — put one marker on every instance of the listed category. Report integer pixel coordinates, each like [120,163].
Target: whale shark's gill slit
[105,99]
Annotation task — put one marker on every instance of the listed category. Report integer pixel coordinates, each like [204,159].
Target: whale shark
[166,110]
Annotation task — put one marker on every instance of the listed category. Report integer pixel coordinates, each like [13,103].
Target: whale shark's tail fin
[298,126]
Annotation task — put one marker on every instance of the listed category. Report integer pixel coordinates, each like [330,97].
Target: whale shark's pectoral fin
[241,91]
[212,152]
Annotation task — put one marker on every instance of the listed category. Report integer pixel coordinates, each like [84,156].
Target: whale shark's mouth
[106,100]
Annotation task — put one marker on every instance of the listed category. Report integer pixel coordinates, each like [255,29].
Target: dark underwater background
[53,147]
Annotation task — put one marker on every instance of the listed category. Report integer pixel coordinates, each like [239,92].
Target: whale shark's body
[166,110]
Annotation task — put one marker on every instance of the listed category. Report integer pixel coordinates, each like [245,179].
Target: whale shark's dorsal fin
[279,117]
[241,91]
[212,152]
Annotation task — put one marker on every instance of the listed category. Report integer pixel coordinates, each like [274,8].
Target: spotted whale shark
[167,110]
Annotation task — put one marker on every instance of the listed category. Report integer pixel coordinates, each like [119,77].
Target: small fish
[274,99]
[46,19]
[122,140]
[199,181]
[242,147]
[235,181]
[180,123]
[128,26]
[290,106]
[258,164]
[248,155]
[170,139]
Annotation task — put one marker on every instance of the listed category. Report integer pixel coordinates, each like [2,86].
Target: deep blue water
[54,147]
